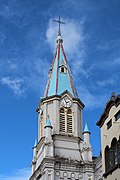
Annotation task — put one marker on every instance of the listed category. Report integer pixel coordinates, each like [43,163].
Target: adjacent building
[110,138]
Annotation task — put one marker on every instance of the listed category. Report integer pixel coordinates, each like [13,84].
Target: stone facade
[62,155]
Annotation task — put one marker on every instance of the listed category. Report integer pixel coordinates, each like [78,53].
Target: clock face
[66,102]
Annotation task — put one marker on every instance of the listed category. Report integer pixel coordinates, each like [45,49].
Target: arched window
[62,120]
[69,121]
[107,158]
[62,69]
[118,149]
[114,152]
[66,121]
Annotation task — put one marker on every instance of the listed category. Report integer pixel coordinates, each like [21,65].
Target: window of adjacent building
[112,155]
[107,158]
[117,115]
[118,148]
[109,124]
[114,151]
[66,120]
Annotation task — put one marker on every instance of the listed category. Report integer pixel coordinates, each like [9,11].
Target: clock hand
[65,100]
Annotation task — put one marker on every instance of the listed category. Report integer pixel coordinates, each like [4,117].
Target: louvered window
[62,120]
[66,120]
[69,121]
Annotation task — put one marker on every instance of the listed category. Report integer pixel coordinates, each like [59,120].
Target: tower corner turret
[87,148]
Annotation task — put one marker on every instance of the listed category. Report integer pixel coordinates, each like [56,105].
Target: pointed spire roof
[35,144]
[48,123]
[86,129]
[59,79]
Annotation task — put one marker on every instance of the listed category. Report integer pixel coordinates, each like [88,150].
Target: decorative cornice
[112,102]
[57,97]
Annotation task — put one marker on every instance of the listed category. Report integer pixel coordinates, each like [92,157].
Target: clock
[66,102]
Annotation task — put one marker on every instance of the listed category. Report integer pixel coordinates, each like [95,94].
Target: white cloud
[72,33]
[14,84]
[107,64]
[116,61]
[35,80]
[92,101]
[12,65]
[106,82]
[6,11]
[21,174]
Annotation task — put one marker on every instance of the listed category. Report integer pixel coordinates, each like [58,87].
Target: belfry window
[66,121]
[69,121]
[62,69]
[62,120]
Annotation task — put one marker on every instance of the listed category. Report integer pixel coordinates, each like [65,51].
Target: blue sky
[27,42]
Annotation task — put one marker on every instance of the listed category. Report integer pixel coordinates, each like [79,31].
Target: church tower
[59,153]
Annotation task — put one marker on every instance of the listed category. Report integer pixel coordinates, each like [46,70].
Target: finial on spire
[59,22]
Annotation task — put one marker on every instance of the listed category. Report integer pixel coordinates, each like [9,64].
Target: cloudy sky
[27,42]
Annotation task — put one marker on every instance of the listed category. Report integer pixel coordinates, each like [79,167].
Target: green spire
[35,144]
[86,128]
[48,123]
[60,78]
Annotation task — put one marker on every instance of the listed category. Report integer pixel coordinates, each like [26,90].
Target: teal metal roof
[35,144]
[59,81]
[86,128]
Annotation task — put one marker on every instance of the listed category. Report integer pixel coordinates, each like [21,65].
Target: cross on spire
[59,22]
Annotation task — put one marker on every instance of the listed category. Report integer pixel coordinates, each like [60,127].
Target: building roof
[114,101]
[58,80]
